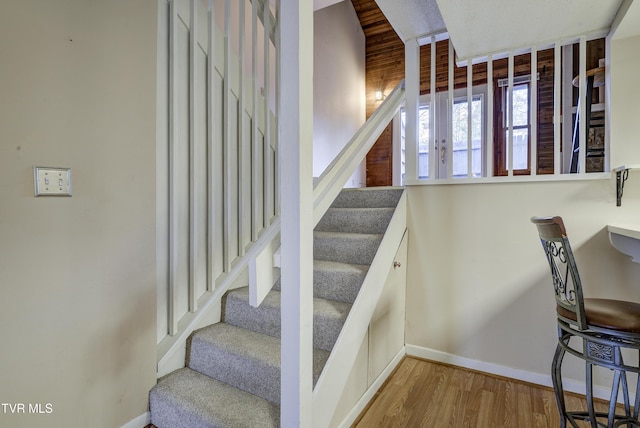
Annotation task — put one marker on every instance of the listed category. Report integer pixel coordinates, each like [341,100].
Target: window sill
[513,179]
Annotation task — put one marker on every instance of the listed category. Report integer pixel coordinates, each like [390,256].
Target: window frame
[501,124]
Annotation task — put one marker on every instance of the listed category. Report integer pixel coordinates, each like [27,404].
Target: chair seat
[615,315]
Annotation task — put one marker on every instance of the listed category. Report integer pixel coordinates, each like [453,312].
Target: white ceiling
[414,18]
[478,28]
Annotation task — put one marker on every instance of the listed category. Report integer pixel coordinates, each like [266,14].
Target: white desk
[626,239]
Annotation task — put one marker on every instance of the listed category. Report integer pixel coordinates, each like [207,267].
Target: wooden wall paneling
[384,69]
[384,52]
[379,160]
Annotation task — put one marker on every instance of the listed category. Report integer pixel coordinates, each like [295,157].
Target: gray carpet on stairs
[355,220]
[336,281]
[243,358]
[353,248]
[328,316]
[188,399]
[233,373]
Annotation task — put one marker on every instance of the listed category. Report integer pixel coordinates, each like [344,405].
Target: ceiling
[415,18]
[478,28]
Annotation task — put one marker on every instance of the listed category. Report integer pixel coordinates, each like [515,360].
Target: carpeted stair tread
[335,280]
[338,281]
[188,399]
[234,368]
[352,248]
[245,359]
[368,197]
[328,316]
[356,220]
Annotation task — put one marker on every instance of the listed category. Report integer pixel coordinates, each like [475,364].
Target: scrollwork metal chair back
[612,326]
[564,272]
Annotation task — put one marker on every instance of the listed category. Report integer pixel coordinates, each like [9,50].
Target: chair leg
[556,379]
[589,395]
[636,405]
[618,375]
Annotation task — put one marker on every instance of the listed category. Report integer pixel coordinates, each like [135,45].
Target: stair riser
[243,372]
[335,285]
[367,198]
[266,320]
[339,286]
[353,249]
[165,413]
[355,220]
[187,399]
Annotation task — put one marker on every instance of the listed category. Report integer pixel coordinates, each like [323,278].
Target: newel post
[296,189]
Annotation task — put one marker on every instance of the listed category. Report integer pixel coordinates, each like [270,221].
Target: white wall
[77,275]
[625,102]
[478,287]
[339,85]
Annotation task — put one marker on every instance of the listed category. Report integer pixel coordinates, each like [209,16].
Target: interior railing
[218,201]
[329,184]
[217,192]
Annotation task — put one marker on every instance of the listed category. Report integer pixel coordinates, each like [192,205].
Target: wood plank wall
[385,69]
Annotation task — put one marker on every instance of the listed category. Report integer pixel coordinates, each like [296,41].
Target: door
[452,157]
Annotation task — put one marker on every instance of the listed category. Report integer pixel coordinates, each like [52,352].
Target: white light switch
[52,181]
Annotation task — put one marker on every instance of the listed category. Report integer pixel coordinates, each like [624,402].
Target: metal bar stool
[604,329]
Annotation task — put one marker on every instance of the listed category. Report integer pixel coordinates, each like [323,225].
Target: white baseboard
[569,385]
[371,391]
[140,422]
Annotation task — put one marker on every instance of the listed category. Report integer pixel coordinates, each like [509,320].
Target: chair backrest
[564,272]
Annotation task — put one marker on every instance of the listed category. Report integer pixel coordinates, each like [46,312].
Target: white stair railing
[329,185]
[217,191]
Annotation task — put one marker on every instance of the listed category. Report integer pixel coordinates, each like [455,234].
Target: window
[519,131]
[460,143]
[460,125]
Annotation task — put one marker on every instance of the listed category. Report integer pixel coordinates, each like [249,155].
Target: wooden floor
[426,394]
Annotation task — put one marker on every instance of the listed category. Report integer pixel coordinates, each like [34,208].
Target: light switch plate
[52,181]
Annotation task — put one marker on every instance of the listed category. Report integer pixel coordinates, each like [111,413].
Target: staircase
[232,378]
